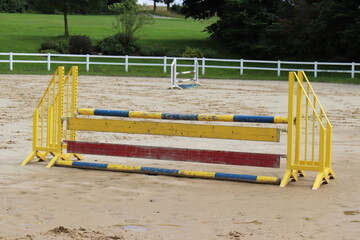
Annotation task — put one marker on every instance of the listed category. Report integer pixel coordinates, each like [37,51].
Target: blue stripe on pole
[259,119]
[176,116]
[235,176]
[89,165]
[115,113]
[159,170]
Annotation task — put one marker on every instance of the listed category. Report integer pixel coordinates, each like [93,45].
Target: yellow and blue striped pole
[179,116]
[171,172]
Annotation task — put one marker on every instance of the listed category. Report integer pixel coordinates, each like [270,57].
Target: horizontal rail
[182,116]
[171,172]
[175,129]
[175,154]
[204,63]
[186,72]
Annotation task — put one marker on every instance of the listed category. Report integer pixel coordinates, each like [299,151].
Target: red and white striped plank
[177,154]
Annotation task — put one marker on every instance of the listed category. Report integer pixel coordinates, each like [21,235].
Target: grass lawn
[24,33]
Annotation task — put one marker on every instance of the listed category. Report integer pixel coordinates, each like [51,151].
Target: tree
[66,7]
[203,9]
[156,1]
[129,17]
[168,2]
[249,26]
[337,29]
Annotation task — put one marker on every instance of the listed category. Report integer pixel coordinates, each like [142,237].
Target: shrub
[153,51]
[192,52]
[52,51]
[209,53]
[117,44]
[59,46]
[175,53]
[80,44]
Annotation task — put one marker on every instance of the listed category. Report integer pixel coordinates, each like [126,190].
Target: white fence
[205,63]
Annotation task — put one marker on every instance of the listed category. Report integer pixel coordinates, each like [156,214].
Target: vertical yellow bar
[36,129]
[322,149]
[42,124]
[306,123]
[60,107]
[74,98]
[300,79]
[313,133]
[290,122]
[48,125]
[289,173]
[48,128]
[328,145]
[51,126]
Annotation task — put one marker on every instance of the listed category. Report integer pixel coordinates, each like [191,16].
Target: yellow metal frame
[58,102]
[309,143]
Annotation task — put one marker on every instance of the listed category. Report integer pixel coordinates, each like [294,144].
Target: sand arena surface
[61,203]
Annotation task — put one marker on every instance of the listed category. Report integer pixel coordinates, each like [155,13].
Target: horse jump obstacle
[174,81]
[56,123]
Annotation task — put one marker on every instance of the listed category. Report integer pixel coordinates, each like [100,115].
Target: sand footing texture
[63,203]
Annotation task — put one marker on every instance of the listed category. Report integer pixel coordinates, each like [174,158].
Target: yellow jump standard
[309,138]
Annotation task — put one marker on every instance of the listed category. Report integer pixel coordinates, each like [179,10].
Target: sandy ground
[62,203]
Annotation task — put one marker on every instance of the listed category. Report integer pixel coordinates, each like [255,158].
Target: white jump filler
[174,81]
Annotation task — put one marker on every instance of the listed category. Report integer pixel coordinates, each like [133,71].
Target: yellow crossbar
[175,129]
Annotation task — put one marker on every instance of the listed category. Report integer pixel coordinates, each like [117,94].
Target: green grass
[25,32]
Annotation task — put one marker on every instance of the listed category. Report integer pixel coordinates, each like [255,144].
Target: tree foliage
[14,6]
[301,29]
[203,9]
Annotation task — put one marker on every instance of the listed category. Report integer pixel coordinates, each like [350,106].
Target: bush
[80,44]
[209,53]
[117,45]
[51,51]
[192,53]
[153,51]
[59,46]
[175,53]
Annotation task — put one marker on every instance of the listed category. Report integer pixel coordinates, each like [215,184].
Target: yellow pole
[300,80]
[290,132]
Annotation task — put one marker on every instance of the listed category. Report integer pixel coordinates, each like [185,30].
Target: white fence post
[173,74]
[278,68]
[352,70]
[315,69]
[241,66]
[126,63]
[49,61]
[196,70]
[87,62]
[11,61]
[165,60]
[203,66]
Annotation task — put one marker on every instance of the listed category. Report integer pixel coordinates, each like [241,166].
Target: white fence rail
[205,63]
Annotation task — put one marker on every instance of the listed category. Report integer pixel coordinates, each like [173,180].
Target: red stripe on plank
[177,154]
